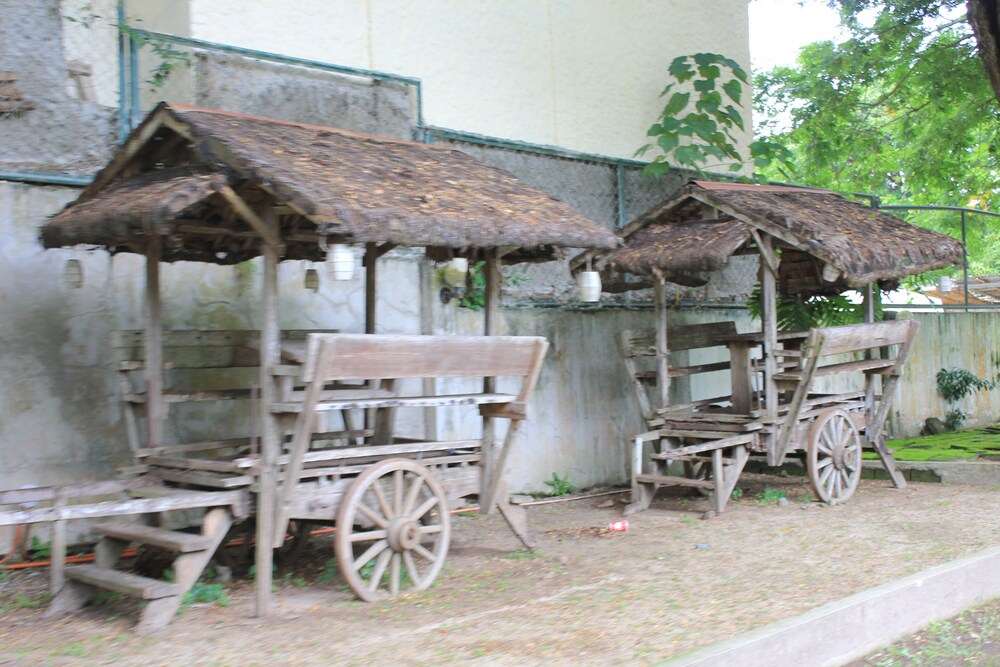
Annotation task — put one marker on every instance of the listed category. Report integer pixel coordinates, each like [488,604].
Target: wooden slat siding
[362,356]
[642,342]
[858,337]
[147,505]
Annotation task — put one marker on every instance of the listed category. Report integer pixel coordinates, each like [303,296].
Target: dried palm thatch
[856,245]
[330,183]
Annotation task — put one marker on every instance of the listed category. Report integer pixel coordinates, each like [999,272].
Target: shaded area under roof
[864,245]
[332,183]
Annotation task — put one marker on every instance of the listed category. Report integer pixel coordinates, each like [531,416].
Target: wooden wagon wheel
[833,456]
[393,529]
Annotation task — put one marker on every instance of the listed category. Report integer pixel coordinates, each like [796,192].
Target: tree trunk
[984,17]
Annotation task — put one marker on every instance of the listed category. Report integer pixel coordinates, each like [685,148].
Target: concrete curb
[848,629]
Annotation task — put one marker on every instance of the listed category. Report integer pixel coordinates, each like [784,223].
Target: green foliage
[329,572]
[475,291]
[737,493]
[797,314]
[954,384]
[39,550]
[955,419]
[696,127]
[864,115]
[770,496]
[522,554]
[204,593]
[560,486]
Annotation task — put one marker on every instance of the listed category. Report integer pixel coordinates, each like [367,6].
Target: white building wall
[580,74]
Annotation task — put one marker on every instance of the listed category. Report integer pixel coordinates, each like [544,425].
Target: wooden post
[57,570]
[154,344]
[662,349]
[769,322]
[427,329]
[492,313]
[371,260]
[270,356]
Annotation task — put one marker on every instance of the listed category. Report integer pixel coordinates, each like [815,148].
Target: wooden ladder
[726,452]
[192,552]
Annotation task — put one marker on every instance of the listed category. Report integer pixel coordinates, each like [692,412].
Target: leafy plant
[770,496]
[797,314]
[696,127]
[329,572]
[560,486]
[39,550]
[736,494]
[955,419]
[204,593]
[954,384]
[475,291]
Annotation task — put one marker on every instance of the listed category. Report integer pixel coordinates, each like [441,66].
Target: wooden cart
[713,438]
[207,185]
[824,394]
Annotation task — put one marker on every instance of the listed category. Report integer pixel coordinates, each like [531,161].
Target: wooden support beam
[491,309]
[267,230]
[769,319]
[662,346]
[767,257]
[154,344]
[270,428]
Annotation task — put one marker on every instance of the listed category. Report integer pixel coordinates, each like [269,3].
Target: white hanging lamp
[588,284]
[339,260]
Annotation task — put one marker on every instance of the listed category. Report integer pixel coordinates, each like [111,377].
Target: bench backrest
[233,348]
[333,357]
[860,337]
[642,342]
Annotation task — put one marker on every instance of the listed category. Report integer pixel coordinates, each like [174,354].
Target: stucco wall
[580,74]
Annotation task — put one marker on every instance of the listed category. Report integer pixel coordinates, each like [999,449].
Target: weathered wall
[41,139]
[581,74]
[949,340]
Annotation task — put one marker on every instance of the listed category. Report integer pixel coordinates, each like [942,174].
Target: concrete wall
[41,139]
[581,74]
[949,340]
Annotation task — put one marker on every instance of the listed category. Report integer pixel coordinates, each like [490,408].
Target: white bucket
[340,262]
[588,284]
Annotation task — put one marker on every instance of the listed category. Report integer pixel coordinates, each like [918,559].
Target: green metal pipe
[45,178]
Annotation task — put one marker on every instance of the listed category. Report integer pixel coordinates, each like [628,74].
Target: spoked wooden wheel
[833,456]
[393,529]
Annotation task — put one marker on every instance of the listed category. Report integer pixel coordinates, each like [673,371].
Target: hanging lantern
[73,274]
[944,284]
[339,260]
[312,280]
[454,272]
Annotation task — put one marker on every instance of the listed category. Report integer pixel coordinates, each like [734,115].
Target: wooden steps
[169,540]
[126,583]
[192,553]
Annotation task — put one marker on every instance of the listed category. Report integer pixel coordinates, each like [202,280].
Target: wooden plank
[387,356]
[857,337]
[184,463]
[204,478]
[57,569]
[398,402]
[382,451]
[122,582]
[868,365]
[171,540]
[491,327]
[769,320]
[49,493]
[707,446]
[670,480]
[642,342]
[183,499]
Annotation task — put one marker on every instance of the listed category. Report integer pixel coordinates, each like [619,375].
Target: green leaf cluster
[696,128]
[954,384]
[801,314]
[902,109]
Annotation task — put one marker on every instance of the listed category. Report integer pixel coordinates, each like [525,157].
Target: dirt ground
[670,584]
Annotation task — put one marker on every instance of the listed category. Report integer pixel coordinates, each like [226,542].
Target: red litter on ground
[618,526]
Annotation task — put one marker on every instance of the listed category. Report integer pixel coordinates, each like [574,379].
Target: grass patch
[964,445]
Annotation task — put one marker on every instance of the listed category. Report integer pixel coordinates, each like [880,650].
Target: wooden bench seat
[399,402]
[884,366]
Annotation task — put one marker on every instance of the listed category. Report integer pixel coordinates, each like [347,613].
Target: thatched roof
[168,177]
[815,227]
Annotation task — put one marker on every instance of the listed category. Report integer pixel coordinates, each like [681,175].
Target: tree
[901,109]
